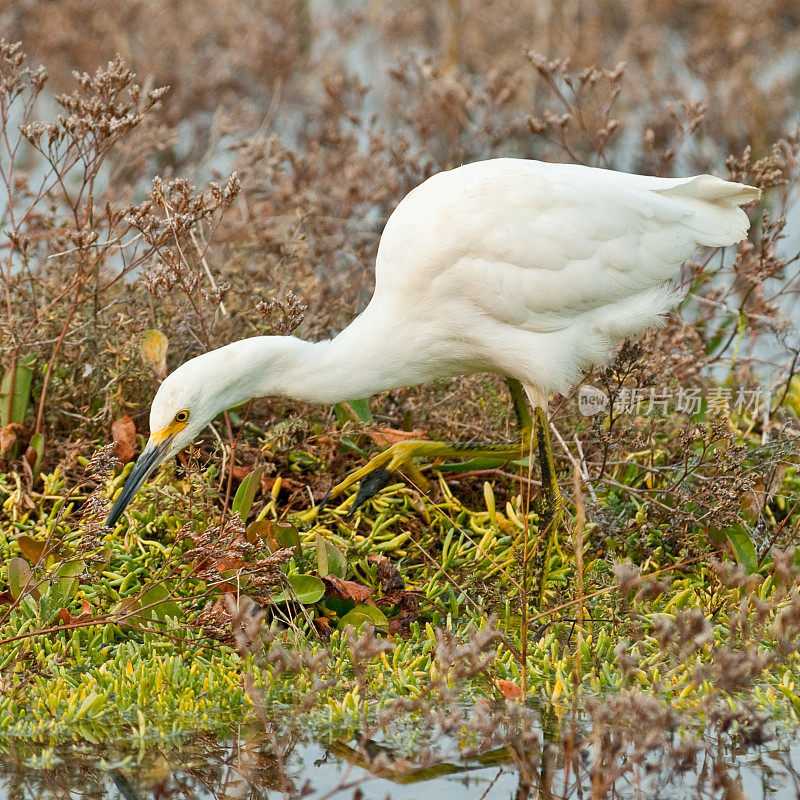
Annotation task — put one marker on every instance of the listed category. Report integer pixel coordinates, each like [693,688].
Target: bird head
[185,403]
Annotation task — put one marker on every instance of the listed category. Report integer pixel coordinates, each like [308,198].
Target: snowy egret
[528,269]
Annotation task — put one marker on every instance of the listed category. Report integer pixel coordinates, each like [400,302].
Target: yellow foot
[380,471]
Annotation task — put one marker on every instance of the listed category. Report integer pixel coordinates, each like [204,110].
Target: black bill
[151,457]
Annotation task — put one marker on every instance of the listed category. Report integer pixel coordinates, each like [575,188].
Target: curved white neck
[331,371]
[365,358]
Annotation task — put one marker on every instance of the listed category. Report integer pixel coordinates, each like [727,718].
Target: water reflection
[254,764]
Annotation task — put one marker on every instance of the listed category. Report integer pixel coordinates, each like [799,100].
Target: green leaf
[361,409]
[363,614]
[339,607]
[306,589]
[743,548]
[30,605]
[286,535]
[330,559]
[354,410]
[37,443]
[245,494]
[66,579]
[61,590]
[165,607]
[457,467]
[349,446]
[20,578]
[15,391]
[50,603]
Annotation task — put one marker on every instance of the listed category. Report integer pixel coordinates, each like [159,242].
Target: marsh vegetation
[173,196]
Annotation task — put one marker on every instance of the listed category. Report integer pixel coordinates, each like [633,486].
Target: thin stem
[233,443]
[53,356]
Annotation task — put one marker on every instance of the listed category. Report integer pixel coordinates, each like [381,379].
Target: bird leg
[379,471]
[519,399]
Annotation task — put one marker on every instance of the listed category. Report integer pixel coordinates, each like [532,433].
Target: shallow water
[252,764]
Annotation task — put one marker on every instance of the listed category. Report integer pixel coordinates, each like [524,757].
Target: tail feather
[713,208]
[714,190]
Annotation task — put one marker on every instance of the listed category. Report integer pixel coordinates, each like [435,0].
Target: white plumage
[524,268]
[536,270]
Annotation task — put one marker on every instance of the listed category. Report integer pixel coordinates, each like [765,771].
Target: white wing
[576,256]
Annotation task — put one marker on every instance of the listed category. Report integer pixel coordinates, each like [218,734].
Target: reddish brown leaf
[31,548]
[6,597]
[123,432]
[346,590]
[229,563]
[240,472]
[30,456]
[408,603]
[9,435]
[389,436]
[401,597]
[261,529]
[323,626]
[68,619]
[389,576]
[400,627]
[510,690]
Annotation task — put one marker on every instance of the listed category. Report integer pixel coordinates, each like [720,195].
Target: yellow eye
[182,416]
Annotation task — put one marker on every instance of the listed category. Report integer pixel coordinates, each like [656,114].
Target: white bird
[528,269]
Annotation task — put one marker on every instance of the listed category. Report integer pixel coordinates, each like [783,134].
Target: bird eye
[182,416]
